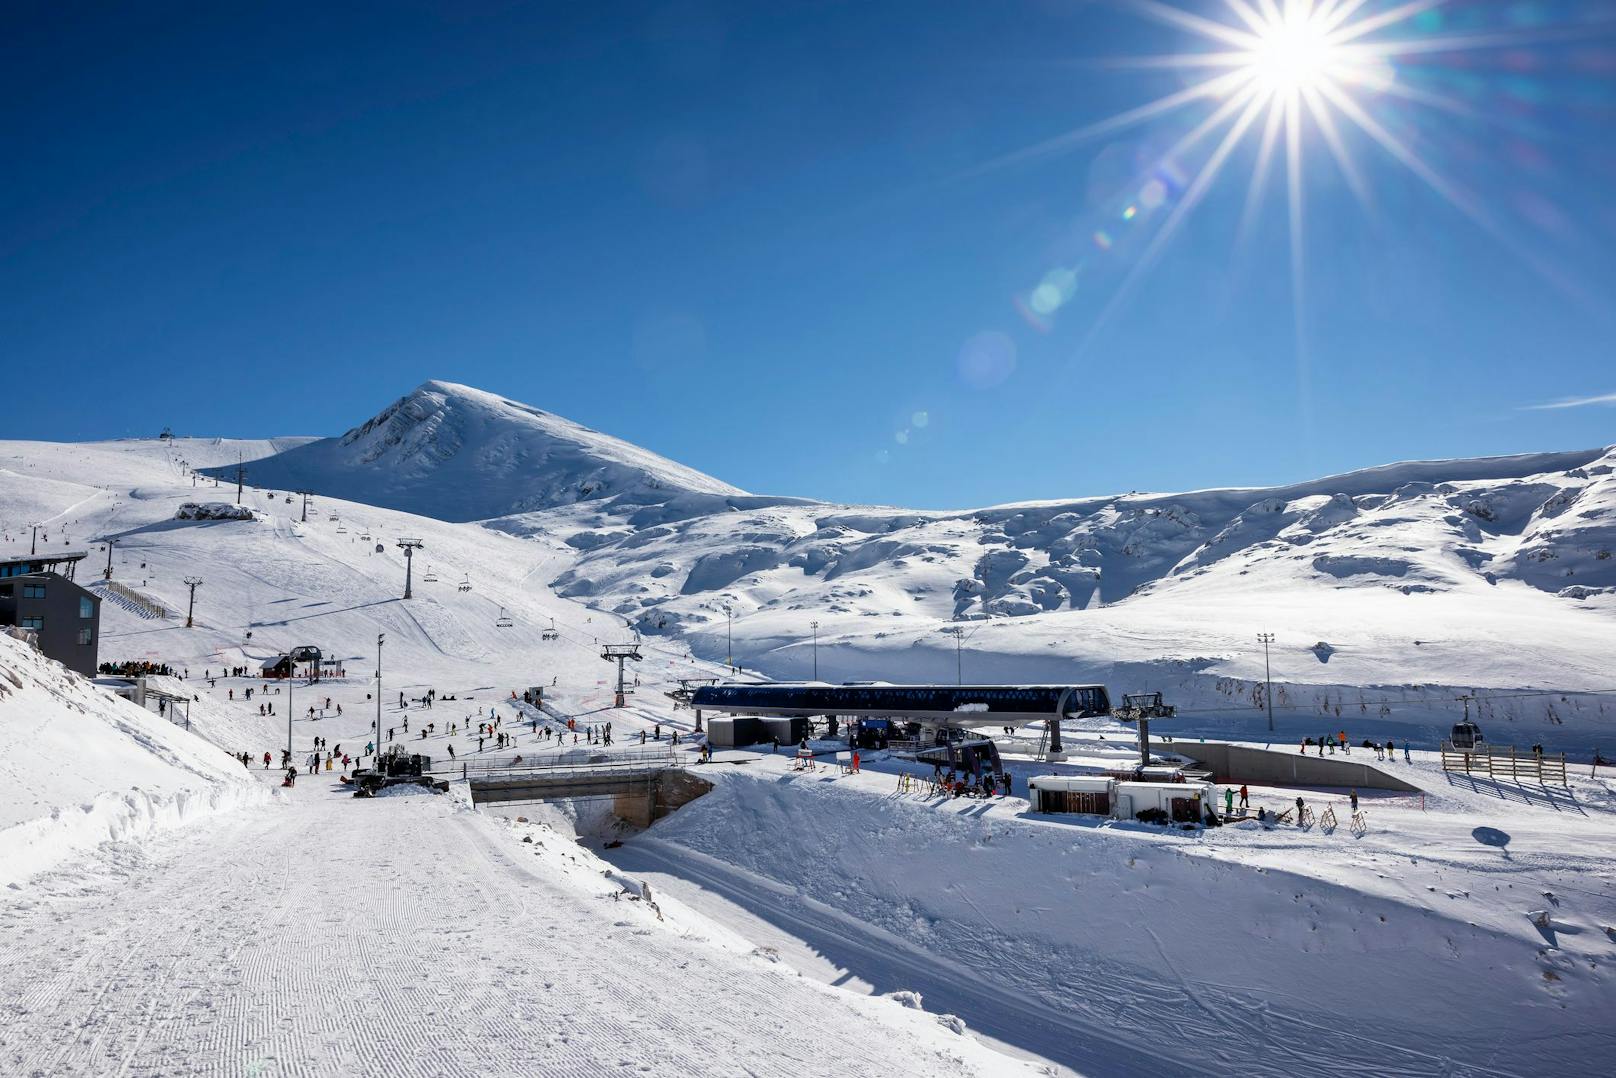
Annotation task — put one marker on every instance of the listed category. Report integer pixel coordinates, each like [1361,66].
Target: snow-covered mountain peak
[458,453]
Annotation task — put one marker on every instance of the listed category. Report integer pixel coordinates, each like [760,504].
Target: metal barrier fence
[593,761]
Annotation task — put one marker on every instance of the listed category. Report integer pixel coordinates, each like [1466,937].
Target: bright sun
[1293,54]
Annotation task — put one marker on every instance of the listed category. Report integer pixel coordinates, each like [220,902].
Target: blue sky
[780,242]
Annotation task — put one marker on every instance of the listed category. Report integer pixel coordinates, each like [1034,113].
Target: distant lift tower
[618,653]
[409,547]
[1141,707]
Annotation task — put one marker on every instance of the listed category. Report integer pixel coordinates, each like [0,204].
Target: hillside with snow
[1392,588]
[457,453]
[81,767]
[932,935]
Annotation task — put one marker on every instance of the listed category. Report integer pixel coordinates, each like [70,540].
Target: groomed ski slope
[410,936]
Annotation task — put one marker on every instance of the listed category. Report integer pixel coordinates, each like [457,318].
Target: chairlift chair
[550,633]
[504,620]
[342,529]
[465,585]
[431,577]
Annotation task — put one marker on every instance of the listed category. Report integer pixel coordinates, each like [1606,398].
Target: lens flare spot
[919,419]
[1102,240]
[987,360]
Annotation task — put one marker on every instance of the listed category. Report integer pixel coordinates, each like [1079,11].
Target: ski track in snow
[399,937]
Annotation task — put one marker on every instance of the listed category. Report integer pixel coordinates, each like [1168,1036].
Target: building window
[86,608]
[86,637]
[33,590]
[34,622]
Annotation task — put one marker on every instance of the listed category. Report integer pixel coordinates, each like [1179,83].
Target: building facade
[65,617]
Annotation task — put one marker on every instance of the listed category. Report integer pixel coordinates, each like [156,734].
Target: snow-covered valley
[172,912]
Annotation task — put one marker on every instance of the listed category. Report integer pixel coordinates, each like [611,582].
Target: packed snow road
[406,936]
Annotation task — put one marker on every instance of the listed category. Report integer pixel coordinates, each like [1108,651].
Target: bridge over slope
[642,786]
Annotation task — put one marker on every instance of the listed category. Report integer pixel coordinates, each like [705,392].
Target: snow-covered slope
[456,453]
[1390,586]
[80,766]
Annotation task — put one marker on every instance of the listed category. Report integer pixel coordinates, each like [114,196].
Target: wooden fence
[1505,762]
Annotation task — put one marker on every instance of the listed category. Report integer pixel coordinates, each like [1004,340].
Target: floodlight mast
[409,547]
[1268,677]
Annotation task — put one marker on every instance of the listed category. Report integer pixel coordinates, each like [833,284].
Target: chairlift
[365,535]
[464,585]
[1466,735]
[380,549]
[431,577]
[342,529]
[550,633]
[504,620]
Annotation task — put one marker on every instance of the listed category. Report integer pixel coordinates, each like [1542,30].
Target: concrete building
[37,593]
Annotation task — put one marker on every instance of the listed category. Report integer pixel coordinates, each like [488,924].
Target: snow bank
[1083,943]
[79,767]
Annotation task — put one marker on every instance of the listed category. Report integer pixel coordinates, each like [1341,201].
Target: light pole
[815,625]
[193,582]
[380,637]
[959,634]
[1268,678]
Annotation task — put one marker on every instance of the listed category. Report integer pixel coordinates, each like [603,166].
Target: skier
[266,761]
[1300,808]
[1244,799]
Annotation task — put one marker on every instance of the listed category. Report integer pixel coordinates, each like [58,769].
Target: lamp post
[380,637]
[815,626]
[1268,678]
[729,637]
